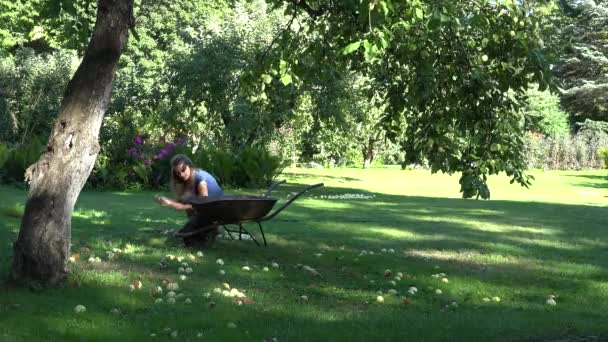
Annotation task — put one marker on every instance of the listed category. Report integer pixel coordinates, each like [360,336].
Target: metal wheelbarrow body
[202,228]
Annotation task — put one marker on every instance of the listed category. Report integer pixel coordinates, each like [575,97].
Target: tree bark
[368,154]
[42,249]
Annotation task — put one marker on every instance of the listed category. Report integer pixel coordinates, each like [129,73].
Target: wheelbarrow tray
[235,209]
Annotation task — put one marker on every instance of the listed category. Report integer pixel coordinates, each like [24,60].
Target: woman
[189,184]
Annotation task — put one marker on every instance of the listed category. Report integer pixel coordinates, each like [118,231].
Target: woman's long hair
[177,185]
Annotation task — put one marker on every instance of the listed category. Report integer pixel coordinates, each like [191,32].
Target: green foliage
[220,163]
[576,152]
[545,115]
[453,74]
[347,125]
[19,158]
[16,211]
[445,81]
[16,22]
[53,24]
[31,89]
[206,86]
[145,164]
[252,167]
[142,163]
[141,99]
[67,24]
[603,154]
[259,166]
[4,154]
[474,184]
[584,60]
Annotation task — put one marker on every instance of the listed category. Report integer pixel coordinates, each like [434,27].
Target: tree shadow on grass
[600,182]
[533,231]
[387,220]
[342,315]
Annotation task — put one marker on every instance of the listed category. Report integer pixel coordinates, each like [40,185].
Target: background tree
[17,22]
[583,67]
[206,91]
[348,128]
[546,116]
[457,71]
[31,87]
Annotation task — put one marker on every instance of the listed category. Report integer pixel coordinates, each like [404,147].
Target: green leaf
[384,7]
[419,13]
[266,78]
[286,79]
[352,47]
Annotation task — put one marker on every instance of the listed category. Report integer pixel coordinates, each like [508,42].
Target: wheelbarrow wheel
[204,239]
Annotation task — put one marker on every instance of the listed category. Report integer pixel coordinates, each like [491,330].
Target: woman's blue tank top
[213,188]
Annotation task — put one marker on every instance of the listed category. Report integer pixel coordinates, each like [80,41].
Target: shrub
[259,166]
[142,164]
[603,154]
[575,152]
[32,88]
[221,164]
[252,167]
[535,150]
[4,154]
[16,211]
[19,158]
[547,117]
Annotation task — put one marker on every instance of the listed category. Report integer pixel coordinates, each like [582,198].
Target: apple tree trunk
[42,249]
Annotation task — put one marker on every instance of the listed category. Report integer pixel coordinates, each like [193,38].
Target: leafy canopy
[453,74]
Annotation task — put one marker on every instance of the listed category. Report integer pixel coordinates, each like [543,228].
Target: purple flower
[162,139]
[138,140]
[147,162]
[170,146]
[134,154]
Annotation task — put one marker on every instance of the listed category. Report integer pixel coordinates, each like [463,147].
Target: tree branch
[295,14]
[306,7]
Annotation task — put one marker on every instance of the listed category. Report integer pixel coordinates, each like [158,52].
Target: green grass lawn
[521,247]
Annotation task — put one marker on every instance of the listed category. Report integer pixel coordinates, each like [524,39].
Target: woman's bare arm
[203,192]
[167,202]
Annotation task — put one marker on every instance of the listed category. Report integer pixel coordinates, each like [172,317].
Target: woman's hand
[164,201]
[167,202]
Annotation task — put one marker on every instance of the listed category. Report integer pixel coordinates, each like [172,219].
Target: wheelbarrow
[207,217]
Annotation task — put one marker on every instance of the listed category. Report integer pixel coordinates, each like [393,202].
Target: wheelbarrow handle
[293,198]
[272,186]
